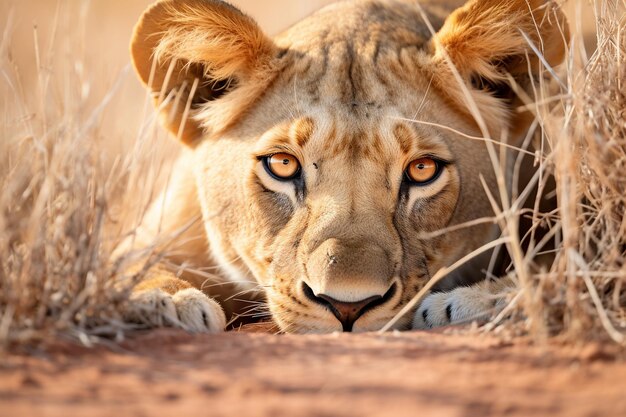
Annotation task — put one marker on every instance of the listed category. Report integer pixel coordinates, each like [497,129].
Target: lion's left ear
[488,39]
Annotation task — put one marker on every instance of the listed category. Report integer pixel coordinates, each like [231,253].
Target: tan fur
[337,91]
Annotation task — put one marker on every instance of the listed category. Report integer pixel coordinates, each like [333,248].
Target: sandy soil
[166,373]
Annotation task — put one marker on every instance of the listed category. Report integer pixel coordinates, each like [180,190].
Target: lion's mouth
[349,312]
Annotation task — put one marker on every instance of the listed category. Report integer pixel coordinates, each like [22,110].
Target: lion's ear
[488,40]
[190,53]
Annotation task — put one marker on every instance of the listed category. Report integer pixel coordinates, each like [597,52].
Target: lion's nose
[348,312]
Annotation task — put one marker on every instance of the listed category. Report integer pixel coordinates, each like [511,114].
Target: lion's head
[325,158]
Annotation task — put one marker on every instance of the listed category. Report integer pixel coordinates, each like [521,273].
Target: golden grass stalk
[584,143]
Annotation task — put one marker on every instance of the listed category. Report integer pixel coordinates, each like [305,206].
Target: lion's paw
[455,307]
[199,313]
[189,309]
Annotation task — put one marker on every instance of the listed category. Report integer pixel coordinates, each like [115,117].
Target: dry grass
[582,130]
[61,193]
[62,189]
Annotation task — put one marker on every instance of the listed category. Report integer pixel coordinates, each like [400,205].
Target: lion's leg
[463,304]
[163,298]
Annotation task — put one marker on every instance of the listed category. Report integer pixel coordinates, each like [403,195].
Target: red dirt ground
[169,373]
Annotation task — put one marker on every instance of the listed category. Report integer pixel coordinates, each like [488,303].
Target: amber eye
[282,166]
[424,170]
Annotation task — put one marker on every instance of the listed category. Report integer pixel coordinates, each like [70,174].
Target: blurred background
[71,48]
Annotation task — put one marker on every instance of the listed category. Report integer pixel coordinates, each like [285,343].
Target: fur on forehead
[324,134]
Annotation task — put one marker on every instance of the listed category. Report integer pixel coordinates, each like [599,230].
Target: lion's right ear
[190,53]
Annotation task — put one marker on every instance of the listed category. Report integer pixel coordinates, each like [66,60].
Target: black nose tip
[348,312]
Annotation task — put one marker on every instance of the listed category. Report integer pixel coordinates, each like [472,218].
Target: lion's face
[315,174]
[337,238]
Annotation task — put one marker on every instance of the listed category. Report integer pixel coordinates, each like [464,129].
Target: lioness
[317,165]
